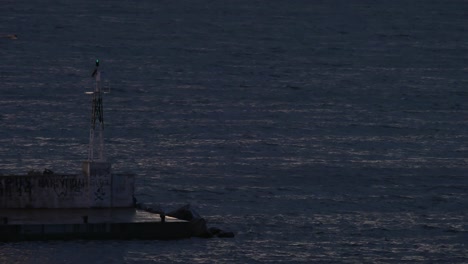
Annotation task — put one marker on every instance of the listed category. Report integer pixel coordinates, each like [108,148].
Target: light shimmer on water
[317,131]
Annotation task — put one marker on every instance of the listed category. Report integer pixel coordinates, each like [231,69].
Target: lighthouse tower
[96,169]
[96,145]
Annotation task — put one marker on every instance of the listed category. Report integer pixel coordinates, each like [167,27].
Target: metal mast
[97,119]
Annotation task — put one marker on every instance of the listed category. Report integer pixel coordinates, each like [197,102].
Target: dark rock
[220,233]
[47,172]
[199,228]
[214,230]
[198,224]
[184,213]
[226,234]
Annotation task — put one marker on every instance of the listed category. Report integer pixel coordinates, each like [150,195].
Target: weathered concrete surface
[123,190]
[96,187]
[43,191]
[98,223]
[100,182]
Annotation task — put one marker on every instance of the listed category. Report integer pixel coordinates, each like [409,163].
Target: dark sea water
[318,131]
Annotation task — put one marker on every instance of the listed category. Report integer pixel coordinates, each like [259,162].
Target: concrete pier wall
[100,183]
[66,191]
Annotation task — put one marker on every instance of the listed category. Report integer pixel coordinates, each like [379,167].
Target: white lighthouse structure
[94,204]
[96,169]
[95,187]
[96,144]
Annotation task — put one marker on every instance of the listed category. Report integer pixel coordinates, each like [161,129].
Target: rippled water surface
[317,131]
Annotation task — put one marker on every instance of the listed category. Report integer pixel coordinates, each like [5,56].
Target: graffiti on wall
[100,187]
[60,185]
[59,191]
[100,182]
[20,186]
[64,186]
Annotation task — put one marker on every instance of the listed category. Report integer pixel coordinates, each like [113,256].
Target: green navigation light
[97,62]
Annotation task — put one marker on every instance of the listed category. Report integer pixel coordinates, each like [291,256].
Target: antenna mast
[97,119]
